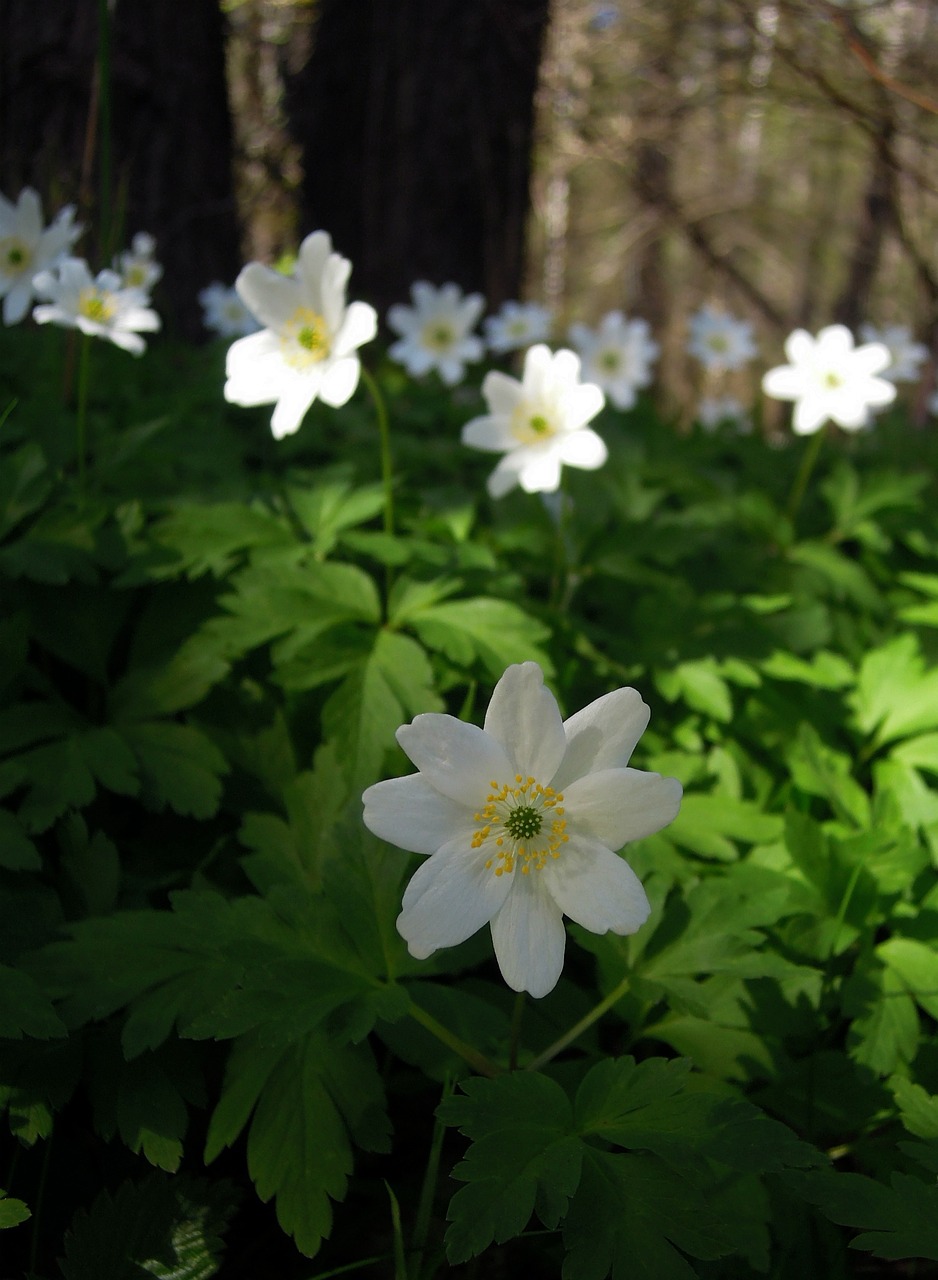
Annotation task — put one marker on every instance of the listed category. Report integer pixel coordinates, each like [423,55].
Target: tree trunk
[169,152]
[416,120]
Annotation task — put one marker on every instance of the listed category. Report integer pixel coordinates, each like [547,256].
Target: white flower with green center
[829,378]
[306,351]
[100,305]
[906,356]
[137,266]
[538,423]
[27,248]
[436,332]
[521,821]
[518,325]
[713,411]
[224,313]
[617,356]
[719,341]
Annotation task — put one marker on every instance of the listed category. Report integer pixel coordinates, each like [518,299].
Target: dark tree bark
[170,132]
[416,121]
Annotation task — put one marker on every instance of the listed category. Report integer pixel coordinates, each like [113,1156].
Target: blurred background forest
[776,157]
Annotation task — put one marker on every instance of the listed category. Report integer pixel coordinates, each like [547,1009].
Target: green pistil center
[14,254]
[719,342]
[97,307]
[609,360]
[523,823]
[539,425]
[305,338]
[832,380]
[438,336]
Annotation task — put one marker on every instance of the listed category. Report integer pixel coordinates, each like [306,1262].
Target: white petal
[524,717]
[296,397]
[339,380]
[273,298]
[800,347]
[596,888]
[603,735]
[540,471]
[131,342]
[502,392]
[581,403]
[408,812]
[836,340]
[615,806]
[451,896]
[358,327]
[873,358]
[529,937]
[16,303]
[583,449]
[488,432]
[460,760]
[810,414]
[504,478]
[784,382]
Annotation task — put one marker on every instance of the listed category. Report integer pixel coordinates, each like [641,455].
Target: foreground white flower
[137,266]
[618,356]
[224,313]
[538,424]
[521,820]
[436,332]
[906,356]
[306,349]
[829,378]
[26,248]
[518,325]
[719,341]
[97,305]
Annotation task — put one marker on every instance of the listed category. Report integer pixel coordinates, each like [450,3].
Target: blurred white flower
[617,356]
[906,355]
[307,348]
[137,266]
[715,410]
[521,820]
[100,306]
[436,332]
[518,325]
[719,341]
[224,312]
[26,247]
[538,424]
[829,378]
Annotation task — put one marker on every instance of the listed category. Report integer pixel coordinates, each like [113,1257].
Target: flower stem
[387,469]
[479,1061]
[81,418]
[808,459]
[578,1028]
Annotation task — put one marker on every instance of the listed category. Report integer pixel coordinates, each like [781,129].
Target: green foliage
[204,659]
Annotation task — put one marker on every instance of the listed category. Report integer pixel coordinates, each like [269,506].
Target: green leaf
[701,686]
[525,1158]
[896,697]
[633,1218]
[208,539]
[12,1211]
[919,1110]
[916,964]
[308,1101]
[819,770]
[168,1228]
[17,851]
[708,824]
[900,1221]
[180,768]
[25,1009]
[495,632]
[884,1034]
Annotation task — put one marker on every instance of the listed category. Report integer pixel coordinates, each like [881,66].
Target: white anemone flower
[521,820]
[26,248]
[137,266]
[436,332]
[712,411]
[98,305]
[719,341]
[517,326]
[538,423]
[306,350]
[829,378]
[906,355]
[617,356]
[224,313]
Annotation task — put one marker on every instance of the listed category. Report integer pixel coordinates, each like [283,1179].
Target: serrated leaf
[896,696]
[495,632]
[525,1158]
[701,686]
[633,1218]
[25,1009]
[12,1211]
[899,1221]
[916,964]
[208,539]
[884,1034]
[180,768]
[305,1101]
[17,851]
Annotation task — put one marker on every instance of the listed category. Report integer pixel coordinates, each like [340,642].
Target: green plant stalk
[387,466]
[578,1028]
[427,1192]
[81,416]
[478,1061]
[808,460]
[400,1261]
